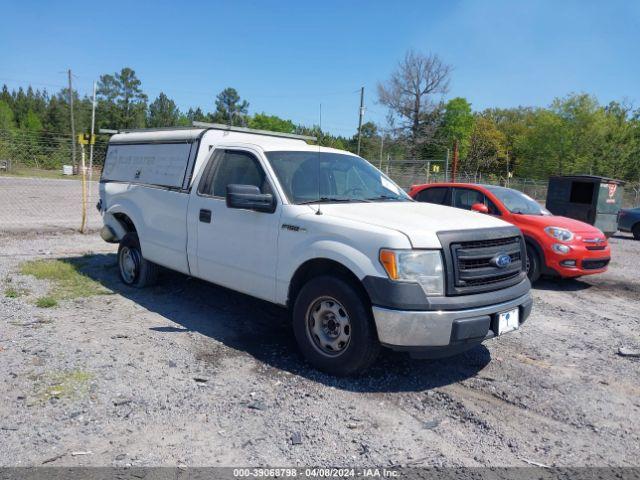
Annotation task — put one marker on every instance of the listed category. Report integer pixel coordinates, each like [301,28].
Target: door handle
[205,216]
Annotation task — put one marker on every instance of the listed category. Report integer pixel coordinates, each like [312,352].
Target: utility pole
[93,124]
[446,167]
[455,161]
[381,147]
[360,117]
[73,126]
[507,179]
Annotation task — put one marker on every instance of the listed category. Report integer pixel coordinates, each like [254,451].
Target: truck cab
[320,231]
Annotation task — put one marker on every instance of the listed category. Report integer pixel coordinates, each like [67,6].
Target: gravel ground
[187,373]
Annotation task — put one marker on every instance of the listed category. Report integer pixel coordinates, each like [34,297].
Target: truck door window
[239,168]
[437,195]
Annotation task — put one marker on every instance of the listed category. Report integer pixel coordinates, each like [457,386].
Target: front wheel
[533,264]
[636,231]
[334,327]
[134,269]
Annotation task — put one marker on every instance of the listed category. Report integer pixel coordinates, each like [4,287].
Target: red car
[557,246]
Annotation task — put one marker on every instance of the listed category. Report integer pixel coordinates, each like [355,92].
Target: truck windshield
[517,202]
[314,177]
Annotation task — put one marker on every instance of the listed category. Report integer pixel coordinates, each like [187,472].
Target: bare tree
[409,94]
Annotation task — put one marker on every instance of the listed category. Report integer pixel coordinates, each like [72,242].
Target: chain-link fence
[44,153]
[414,172]
[36,195]
[35,192]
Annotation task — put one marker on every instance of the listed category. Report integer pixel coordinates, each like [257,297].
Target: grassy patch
[38,173]
[46,302]
[15,292]
[68,281]
[69,384]
[11,293]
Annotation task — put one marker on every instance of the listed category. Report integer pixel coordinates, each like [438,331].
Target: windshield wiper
[386,197]
[332,199]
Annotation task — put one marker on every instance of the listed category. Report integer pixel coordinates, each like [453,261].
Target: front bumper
[443,333]
[587,261]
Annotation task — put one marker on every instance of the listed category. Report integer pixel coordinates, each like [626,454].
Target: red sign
[612,192]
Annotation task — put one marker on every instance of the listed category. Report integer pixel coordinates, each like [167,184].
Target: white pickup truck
[318,230]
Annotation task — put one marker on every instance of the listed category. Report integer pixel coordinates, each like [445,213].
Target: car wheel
[334,327]
[636,231]
[133,268]
[533,264]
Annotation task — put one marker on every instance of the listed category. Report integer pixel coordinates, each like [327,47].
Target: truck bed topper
[167,157]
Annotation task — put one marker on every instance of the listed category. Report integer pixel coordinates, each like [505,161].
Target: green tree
[486,148]
[31,122]
[196,115]
[369,142]
[515,124]
[230,109]
[457,124]
[273,123]
[7,122]
[163,112]
[543,148]
[121,101]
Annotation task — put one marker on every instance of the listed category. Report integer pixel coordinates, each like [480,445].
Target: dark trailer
[590,199]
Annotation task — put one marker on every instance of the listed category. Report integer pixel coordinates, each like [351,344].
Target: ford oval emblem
[502,260]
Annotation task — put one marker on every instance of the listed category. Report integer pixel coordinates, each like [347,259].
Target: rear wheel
[134,269]
[533,264]
[334,327]
[636,231]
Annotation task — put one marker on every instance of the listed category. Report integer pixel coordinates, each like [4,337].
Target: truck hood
[417,220]
[575,226]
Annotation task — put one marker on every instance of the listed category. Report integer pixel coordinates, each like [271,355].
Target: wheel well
[536,247]
[322,266]
[126,222]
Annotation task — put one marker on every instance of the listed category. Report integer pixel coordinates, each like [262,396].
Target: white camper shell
[168,157]
[318,230]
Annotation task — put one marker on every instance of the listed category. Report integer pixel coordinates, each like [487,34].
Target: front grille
[599,247]
[595,264]
[473,259]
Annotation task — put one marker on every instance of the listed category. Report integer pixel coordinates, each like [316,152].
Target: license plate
[508,321]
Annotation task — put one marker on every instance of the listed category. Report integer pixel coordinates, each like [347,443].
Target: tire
[334,327]
[636,231]
[533,264]
[133,268]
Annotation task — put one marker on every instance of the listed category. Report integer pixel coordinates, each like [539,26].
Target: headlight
[558,233]
[421,266]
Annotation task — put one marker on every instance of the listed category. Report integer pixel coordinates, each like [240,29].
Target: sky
[290,57]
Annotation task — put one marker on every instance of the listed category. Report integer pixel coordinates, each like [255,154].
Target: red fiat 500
[555,245]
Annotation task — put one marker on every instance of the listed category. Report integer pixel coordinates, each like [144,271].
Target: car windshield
[517,202]
[315,177]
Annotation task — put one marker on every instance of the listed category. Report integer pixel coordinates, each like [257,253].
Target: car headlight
[558,233]
[421,266]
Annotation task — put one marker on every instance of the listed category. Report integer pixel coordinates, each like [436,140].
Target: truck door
[234,248]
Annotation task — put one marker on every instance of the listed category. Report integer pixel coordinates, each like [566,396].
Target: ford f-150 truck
[321,231]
